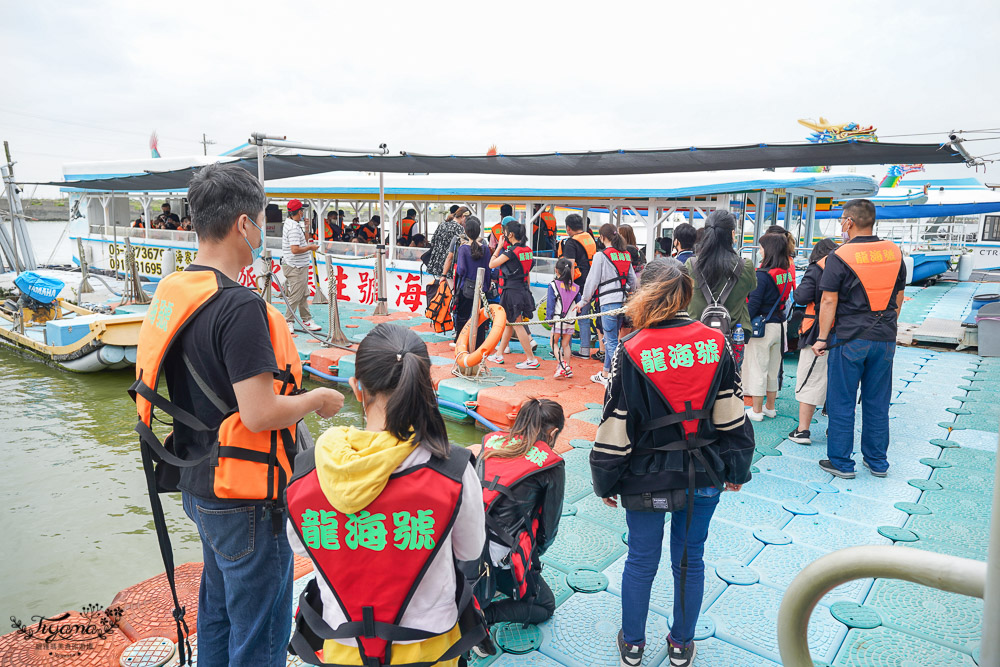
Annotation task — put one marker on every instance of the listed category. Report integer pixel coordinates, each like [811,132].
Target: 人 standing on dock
[296,259]
[673,435]
[515,259]
[862,287]
[233,376]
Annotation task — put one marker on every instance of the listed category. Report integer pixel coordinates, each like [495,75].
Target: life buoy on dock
[467,359]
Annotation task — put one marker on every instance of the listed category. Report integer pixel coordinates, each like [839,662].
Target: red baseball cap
[294,205]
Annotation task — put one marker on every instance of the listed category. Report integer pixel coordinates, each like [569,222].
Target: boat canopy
[601,163]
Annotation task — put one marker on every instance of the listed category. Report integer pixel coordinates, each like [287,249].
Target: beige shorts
[812,390]
[762,361]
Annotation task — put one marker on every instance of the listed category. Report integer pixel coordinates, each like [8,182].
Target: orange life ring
[468,359]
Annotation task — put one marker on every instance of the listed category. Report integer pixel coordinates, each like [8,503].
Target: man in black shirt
[224,360]
[169,217]
[573,248]
[862,288]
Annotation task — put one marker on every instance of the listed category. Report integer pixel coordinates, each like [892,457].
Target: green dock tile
[592,508]
[583,543]
[883,647]
[944,618]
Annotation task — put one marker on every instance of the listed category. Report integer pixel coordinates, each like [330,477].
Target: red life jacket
[784,279]
[517,268]
[876,266]
[374,560]
[622,261]
[682,364]
[500,476]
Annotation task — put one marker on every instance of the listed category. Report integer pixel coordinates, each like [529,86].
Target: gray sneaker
[836,472]
[680,656]
[875,473]
[631,656]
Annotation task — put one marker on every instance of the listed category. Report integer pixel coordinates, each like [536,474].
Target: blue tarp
[39,288]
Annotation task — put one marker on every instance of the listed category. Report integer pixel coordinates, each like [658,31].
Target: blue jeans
[585,328]
[610,324]
[245,598]
[645,543]
[867,363]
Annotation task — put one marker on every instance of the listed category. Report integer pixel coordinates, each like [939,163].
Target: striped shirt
[293,234]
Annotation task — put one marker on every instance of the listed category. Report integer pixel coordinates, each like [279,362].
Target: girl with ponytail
[386,504]
[469,258]
[525,463]
[611,279]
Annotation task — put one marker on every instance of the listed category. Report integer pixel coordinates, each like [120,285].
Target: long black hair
[393,360]
[822,249]
[472,230]
[564,271]
[715,252]
[516,229]
[610,232]
[535,420]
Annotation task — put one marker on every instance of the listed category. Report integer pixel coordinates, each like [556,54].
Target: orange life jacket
[333,231]
[550,223]
[245,465]
[406,226]
[809,318]
[367,233]
[589,246]
[876,265]
[439,309]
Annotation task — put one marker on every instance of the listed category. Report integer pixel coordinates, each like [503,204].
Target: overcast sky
[91,80]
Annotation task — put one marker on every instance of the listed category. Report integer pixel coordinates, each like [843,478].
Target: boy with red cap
[296,258]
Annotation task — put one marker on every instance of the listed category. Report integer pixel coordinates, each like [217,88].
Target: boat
[44,324]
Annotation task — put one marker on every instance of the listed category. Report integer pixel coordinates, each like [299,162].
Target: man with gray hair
[296,260]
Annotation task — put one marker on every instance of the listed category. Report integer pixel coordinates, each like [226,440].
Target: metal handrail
[946,573]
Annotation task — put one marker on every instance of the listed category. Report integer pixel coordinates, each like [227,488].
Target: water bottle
[739,338]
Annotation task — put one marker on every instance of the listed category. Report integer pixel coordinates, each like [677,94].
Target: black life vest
[517,269]
[500,476]
[622,261]
[809,317]
[374,560]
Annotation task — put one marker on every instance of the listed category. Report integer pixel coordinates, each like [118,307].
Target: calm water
[75,521]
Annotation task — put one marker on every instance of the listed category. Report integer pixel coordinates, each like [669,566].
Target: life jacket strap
[676,418]
[157,401]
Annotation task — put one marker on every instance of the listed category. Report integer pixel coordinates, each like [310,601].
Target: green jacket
[736,304]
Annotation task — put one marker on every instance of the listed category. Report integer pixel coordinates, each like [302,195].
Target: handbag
[758,325]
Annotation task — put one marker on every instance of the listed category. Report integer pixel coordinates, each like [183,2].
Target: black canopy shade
[607,163]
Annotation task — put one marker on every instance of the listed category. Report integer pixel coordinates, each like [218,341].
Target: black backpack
[715,314]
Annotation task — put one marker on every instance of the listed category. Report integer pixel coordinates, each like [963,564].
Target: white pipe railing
[946,573]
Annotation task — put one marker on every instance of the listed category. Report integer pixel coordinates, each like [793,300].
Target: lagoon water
[75,523]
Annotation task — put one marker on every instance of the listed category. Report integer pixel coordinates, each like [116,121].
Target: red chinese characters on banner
[412,293]
[368,289]
[248,277]
[342,285]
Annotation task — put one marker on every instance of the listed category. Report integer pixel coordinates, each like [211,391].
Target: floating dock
[937,497]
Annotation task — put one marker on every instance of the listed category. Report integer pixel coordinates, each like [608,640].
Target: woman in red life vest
[523,485]
[611,278]
[673,435]
[775,282]
[514,259]
[387,515]
[562,300]
[810,379]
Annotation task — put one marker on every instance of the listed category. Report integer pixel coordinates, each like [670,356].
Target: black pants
[463,313]
[533,612]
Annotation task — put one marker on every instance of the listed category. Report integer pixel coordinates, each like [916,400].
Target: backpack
[439,309]
[715,315]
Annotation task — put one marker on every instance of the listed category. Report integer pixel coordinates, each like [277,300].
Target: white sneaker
[755,416]
[495,359]
[451,344]
[527,364]
[311,326]
[291,327]
[599,379]
[506,350]
[770,413]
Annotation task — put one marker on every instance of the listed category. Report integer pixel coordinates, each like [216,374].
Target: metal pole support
[473,323]
[989,650]
[946,573]
[381,305]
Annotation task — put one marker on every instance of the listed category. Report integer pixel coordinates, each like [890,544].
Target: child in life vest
[515,259]
[523,486]
[563,300]
[388,515]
